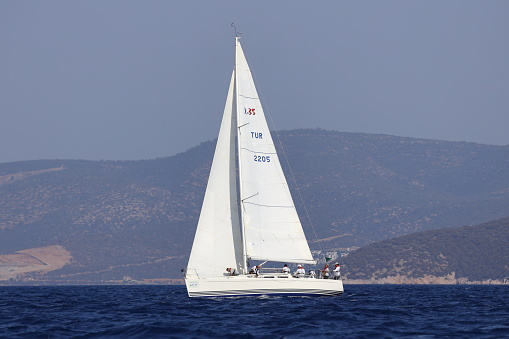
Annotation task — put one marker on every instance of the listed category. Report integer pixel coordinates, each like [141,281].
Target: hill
[452,255]
[137,218]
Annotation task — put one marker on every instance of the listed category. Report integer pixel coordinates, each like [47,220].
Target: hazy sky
[129,80]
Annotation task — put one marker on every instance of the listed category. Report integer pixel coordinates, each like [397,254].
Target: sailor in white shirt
[325,272]
[255,270]
[285,269]
[300,272]
[336,273]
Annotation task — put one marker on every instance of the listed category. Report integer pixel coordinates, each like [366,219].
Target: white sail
[272,229]
[217,243]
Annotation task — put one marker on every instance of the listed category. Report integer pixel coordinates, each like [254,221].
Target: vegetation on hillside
[475,253]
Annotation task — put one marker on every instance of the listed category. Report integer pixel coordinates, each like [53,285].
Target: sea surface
[363,311]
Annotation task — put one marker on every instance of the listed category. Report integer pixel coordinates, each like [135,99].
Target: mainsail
[271,225]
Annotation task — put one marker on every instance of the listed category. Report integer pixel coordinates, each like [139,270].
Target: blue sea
[363,311]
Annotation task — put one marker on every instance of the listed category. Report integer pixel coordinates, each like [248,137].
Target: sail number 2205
[262,158]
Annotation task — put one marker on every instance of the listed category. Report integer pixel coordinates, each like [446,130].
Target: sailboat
[248,212]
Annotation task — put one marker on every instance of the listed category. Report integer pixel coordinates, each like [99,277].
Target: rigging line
[250,196]
[297,186]
[270,206]
[245,96]
[248,150]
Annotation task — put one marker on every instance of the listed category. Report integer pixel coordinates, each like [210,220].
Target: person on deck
[325,272]
[336,273]
[231,271]
[255,270]
[312,273]
[285,269]
[300,273]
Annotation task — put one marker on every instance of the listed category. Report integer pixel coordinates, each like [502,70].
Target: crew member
[300,272]
[231,271]
[325,272]
[336,273]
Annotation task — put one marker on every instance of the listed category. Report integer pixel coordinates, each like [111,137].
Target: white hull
[263,285]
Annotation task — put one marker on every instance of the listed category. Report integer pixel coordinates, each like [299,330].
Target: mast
[239,163]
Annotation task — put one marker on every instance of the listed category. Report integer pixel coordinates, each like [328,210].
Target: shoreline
[180,282]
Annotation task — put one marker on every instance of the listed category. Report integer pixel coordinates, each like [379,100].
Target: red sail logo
[249,111]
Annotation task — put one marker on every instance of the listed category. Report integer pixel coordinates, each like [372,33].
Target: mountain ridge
[478,253]
[358,188]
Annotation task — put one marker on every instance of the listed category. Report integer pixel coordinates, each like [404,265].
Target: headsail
[217,243]
[272,228]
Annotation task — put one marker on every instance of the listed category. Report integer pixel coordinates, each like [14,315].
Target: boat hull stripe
[254,292]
